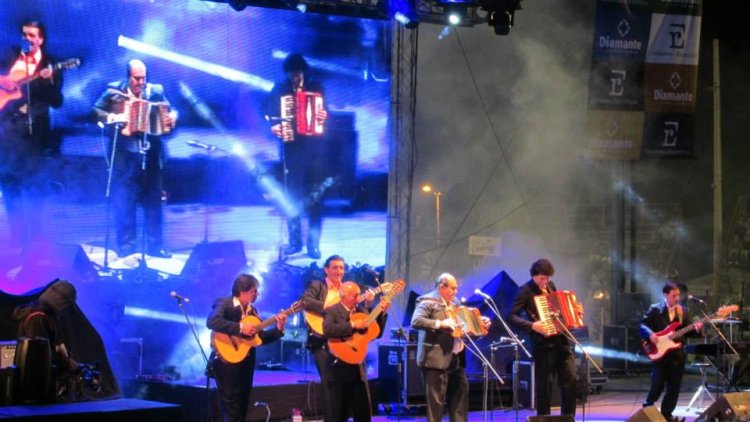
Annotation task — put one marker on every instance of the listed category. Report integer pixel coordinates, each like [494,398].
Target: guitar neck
[272,320]
[685,330]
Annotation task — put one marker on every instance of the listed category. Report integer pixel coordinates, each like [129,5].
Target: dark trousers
[234,382]
[548,362]
[349,395]
[320,355]
[132,185]
[305,161]
[666,372]
[447,388]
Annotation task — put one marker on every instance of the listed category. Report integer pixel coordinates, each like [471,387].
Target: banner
[643,81]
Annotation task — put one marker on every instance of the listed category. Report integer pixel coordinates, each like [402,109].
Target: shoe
[159,253]
[313,253]
[292,249]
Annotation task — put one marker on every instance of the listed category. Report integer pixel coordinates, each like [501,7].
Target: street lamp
[427,188]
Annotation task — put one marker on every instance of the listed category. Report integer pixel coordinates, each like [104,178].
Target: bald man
[138,159]
[348,391]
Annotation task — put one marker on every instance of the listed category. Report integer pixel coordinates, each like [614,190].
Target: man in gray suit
[441,356]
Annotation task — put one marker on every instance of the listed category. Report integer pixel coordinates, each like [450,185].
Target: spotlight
[501,20]
[404,12]
[456,11]
[409,22]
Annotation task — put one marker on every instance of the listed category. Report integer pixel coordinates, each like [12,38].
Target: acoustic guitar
[315,320]
[11,84]
[665,343]
[233,349]
[354,349]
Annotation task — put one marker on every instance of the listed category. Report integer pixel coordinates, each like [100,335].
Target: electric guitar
[354,349]
[10,85]
[665,342]
[315,320]
[234,349]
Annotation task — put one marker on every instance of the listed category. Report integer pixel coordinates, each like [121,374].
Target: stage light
[406,21]
[501,21]
[456,11]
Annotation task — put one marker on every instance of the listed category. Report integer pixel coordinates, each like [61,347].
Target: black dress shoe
[292,249]
[159,253]
[313,253]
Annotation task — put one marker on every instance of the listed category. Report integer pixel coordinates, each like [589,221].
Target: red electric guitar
[665,343]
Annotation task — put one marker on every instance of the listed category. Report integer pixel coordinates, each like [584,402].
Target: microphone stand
[209,370]
[516,344]
[108,195]
[728,377]
[586,354]
[472,347]
[401,342]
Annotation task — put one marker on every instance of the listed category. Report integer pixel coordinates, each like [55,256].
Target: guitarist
[668,370]
[348,392]
[25,125]
[235,380]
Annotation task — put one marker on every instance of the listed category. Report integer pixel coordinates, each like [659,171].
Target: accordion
[299,113]
[557,311]
[468,321]
[146,117]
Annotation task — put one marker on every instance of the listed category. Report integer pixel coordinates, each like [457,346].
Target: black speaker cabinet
[558,418]
[523,374]
[647,414]
[34,369]
[729,407]
[49,261]
[412,384]
[626,340]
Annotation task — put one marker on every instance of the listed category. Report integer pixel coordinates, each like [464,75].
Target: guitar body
[314,322]
[10,88]
[354,349]
[663,345]
[233,349]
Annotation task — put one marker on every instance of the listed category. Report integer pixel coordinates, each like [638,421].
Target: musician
[303,158]
[235,380]
[348,392]
[440,355]
[667,371]
[138,160]
[552,355]
[25,127]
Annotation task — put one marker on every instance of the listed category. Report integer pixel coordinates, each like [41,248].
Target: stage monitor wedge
[647,414]
[729,407]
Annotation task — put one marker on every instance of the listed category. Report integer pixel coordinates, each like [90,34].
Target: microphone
[483,294]
[197,144]
[25,46]
[696,299]
[178,297]
[148,90]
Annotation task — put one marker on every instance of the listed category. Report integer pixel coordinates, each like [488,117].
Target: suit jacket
[656,319]
[337,324]
[314,299]
[225,318]
[434,346]
[523,314]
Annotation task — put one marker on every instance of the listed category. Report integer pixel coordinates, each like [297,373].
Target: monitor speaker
[46,261]
[647,414]
[34,369]
[729,407]
[389,357]
[220,261]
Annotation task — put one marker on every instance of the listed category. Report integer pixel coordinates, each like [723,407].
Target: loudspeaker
[631,306]
[7,385]
[7,353]
[389,357]
[34,365]
[221,261]
[558,418]
[623,339]
[48,261]
[647,414]
[524,375]
[729,407]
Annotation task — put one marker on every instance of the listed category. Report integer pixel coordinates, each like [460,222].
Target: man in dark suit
[25,129]
[348,391]
[552,355]
[235,380]
[303,156]
[138,158]
[441,356]
[667,371]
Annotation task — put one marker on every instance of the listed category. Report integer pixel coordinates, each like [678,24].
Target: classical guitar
[10,85]
[315,320]
[354,349]
[665,343]
[234,349]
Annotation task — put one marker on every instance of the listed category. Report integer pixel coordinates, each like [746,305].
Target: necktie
[30,60]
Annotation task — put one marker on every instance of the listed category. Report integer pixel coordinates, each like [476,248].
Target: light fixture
[501,20]
[456,12]
[427,188]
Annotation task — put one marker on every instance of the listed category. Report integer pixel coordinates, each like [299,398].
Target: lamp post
[427,188]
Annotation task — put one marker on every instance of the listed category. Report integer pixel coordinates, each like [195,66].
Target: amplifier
[523,374]
[7,353]
[412,383]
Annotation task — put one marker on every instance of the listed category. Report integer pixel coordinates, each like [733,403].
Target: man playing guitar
[25,127]
[668,370]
